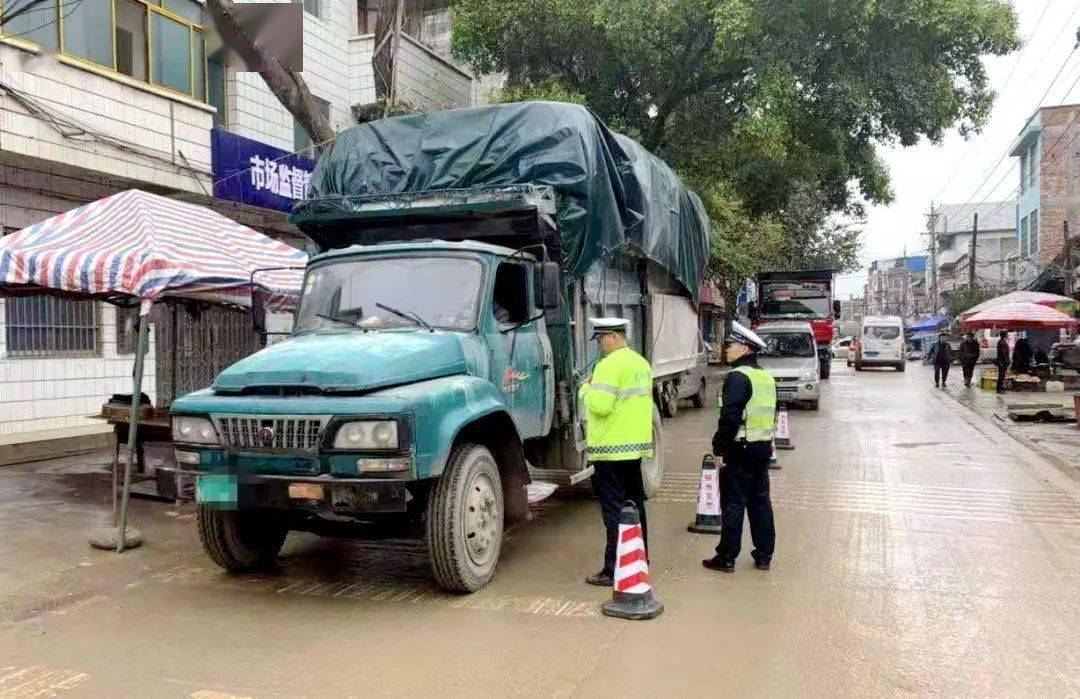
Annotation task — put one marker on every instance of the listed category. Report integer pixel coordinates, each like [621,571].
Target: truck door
[521,353]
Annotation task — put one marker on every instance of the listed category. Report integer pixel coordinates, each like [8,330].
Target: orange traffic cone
[707,520]
[631,594]
[783,430]
[773,463]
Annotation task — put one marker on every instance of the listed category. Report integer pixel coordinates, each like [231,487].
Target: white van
[881,343]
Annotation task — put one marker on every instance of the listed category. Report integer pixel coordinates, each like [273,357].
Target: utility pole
[905,278]
[971,257]
[1069,283]
[931,231]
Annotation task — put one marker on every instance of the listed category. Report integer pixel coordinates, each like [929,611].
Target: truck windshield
[795,300]
[789,344]
[442,291]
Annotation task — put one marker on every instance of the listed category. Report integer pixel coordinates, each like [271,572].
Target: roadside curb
[1059,464]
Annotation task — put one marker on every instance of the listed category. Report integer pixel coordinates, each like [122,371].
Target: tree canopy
[775,107]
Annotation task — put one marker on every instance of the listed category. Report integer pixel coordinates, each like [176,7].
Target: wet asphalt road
[920,550]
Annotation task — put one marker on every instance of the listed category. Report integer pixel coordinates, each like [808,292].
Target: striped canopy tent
[142,247]
[1064,304]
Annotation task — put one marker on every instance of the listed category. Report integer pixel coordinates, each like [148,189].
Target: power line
[1038,104]
[1004,87]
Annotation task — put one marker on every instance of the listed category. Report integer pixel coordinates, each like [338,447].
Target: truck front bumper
[321,494]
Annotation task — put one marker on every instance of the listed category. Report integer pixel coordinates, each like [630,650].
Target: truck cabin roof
[424,246]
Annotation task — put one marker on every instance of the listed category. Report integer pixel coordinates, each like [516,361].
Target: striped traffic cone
[707,520]
[773,463]
[783,430]
[631,594]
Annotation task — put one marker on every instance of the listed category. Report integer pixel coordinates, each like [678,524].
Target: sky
[955,171]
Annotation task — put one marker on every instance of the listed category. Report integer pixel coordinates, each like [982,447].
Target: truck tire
[901,366]
[825,366]
[652,467]
[240,540]
[669,400]
[698,399]
[465,520]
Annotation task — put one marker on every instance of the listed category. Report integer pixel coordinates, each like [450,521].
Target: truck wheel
[815,404]
[826,368]
[669,400]
[240,540]
[652,467]
[901,366]
[698,399]
[465,520]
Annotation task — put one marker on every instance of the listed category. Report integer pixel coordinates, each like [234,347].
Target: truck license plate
[305,491]
[218,490]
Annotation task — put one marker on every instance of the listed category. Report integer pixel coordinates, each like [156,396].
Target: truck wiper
[407,315]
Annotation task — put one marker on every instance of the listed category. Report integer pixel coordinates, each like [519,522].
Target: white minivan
[881,343]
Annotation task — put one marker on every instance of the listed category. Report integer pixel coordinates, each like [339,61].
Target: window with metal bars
[44,325]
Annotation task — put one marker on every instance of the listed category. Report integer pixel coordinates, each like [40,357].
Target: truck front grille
[271,432]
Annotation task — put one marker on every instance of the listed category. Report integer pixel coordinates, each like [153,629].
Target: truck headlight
[809,375]
[193,430]
[367,434]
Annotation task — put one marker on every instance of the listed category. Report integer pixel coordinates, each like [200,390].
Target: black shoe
[761,565]
[937,385]
[723,565]
[601,579]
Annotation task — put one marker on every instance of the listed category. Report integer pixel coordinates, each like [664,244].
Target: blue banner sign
[255,173]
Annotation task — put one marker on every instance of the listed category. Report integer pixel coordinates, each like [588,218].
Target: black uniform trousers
[744,487]
[941,374]
[1002,370]
[615,482]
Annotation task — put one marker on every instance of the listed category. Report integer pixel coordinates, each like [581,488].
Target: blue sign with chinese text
[255,173]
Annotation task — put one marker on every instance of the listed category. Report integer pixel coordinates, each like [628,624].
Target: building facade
[894,287]
[995,247]
[1047,211]
[99,96]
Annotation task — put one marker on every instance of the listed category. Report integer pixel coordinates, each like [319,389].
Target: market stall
[921,335]
[1020,316]
[138,249]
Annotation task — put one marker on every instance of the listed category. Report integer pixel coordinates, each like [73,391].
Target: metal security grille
[287,433]
[195,342]
[50,326]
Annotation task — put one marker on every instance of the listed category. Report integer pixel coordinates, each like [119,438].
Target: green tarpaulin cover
[611,194]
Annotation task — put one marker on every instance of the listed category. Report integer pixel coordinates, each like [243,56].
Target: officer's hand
[719,461]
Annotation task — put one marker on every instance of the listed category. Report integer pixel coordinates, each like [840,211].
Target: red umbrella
[1019,316]
[1060,303]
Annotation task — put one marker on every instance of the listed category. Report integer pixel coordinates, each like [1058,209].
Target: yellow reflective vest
[619,406]
[759,416]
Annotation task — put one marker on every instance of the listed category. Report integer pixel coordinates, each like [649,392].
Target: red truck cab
[799,295]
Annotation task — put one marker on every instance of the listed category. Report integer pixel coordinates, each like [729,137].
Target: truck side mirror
[836,309]
[554,302]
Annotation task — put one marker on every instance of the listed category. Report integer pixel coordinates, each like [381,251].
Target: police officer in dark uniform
[743,445]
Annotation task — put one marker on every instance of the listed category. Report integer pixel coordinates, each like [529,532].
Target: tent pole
[133,425]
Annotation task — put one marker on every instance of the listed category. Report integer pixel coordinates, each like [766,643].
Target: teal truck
[428,387]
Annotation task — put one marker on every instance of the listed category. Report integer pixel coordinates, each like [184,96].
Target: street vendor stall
[135,249]
[1019,315]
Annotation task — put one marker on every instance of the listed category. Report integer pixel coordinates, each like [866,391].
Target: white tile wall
[426,80]
[54,393]
[149,120]
[254,112]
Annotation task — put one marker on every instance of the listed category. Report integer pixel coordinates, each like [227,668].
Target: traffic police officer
[743,446]
[618,431]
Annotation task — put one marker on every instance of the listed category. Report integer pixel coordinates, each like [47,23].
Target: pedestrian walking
[941,356]
[618,432]
[742,446]
[969,357]
[1002,360]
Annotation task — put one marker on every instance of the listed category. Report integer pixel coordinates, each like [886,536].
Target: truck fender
[478,414]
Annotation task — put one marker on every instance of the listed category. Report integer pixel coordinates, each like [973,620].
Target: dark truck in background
[800,295]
